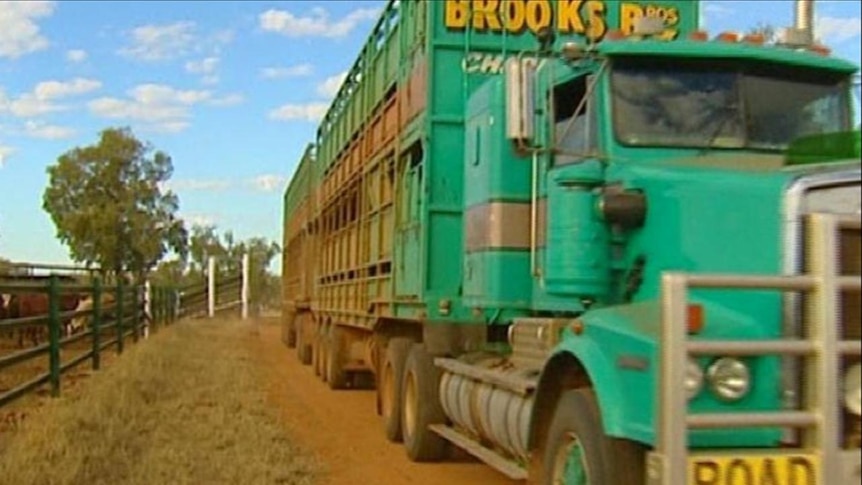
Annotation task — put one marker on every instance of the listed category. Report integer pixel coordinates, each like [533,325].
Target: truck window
[685,103]
[574,133]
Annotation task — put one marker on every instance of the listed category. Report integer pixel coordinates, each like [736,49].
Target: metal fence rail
[110,326]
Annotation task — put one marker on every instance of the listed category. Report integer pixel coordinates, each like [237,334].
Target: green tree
[107,203]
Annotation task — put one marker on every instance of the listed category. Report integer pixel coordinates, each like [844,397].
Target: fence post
[148,308]
[54,333]
[120,315]
[211,289]
[97,323]
[244,291]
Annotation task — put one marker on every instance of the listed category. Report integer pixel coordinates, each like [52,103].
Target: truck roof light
[820,49]
[699,35]
[695,319]
[757,39]
[615,34]
[727,37]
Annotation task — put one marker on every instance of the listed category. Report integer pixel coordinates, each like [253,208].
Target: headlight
[693,379]
[729,379]
[853,390]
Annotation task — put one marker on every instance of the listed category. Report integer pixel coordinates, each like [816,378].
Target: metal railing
[822,350]
[123,319]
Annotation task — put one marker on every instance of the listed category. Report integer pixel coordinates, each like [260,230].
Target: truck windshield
[672,102]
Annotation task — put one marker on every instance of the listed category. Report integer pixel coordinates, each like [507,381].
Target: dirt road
[344,433]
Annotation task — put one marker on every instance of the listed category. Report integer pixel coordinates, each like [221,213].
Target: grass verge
[186,407]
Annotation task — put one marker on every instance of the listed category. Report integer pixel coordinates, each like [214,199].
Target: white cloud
[200,219]
[316,24]
[161,42]
[835,30]
[19,33]
[720,9]
[307,112]
[5,152]
[48,90]
[268,182]
[42,99]
[166,109]
[228,100]
[198,185]
[203,66]
[329,87]
[76,55]
[39,129]
[298,70]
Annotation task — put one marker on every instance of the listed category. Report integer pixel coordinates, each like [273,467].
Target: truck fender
[576,364]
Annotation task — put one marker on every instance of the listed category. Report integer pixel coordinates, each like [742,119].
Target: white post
[211,274]
[244,295]
[148,307]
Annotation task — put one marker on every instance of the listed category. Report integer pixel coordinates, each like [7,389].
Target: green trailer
[566,235]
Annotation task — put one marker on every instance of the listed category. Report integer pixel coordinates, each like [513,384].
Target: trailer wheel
[334,363]
[303,350]
[291,338]
[316,359]
[579,453]
[422,407]
[389,385]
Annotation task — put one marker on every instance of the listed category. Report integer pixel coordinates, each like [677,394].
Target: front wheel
[579,453]
[421,407]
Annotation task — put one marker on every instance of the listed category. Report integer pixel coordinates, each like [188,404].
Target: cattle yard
[53,324]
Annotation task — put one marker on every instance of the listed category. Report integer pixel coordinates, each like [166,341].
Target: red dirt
[344,432]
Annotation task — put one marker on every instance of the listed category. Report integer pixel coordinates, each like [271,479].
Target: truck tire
[317,356]
[578,452]
[421,407]
[291,338]
[334,350]
[303,349]
[389,386]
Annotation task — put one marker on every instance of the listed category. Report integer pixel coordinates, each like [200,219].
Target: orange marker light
[728,37]
[615,34]
[695,318]
[820,49]
[699,35]
[757,39]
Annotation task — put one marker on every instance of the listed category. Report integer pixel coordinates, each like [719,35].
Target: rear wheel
[579,453]
[389,385]
[334,363]
[303,346]
[422,407]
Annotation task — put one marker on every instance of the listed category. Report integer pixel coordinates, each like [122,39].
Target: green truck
[588,243]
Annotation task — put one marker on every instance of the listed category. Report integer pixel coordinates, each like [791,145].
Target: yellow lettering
[538,15]
[596,24]
[485,15]
[514,15]
[569,16]
[629,13]
[456,14]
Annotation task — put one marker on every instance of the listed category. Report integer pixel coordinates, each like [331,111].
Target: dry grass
[187,406]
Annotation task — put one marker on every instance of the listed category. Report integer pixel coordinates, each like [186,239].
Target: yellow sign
[753,470]
[583,17]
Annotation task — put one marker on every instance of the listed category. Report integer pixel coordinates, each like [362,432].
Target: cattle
[26,305]
[80,322]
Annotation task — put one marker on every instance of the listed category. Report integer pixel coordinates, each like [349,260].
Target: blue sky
[231,90]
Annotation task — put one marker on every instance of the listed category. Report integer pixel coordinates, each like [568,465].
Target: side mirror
[520,99]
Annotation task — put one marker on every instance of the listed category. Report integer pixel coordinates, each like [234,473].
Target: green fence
[117,315]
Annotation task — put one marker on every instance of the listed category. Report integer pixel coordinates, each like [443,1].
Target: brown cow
[34,304]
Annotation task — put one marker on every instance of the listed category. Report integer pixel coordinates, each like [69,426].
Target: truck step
[490,457]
